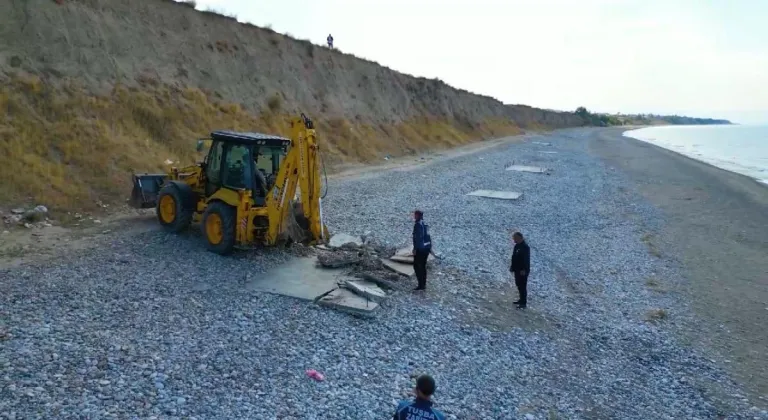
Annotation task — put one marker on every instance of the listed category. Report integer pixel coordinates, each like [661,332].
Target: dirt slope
[92,89]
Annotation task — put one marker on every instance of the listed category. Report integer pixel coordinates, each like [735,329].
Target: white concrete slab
[298,278]
[366,289]
[405,259]
[549,152]
[399,268]
[379,281]
[347,301]
[542,143]
[403,255]
[524,168]
[502,195]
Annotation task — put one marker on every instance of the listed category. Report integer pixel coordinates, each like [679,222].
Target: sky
[703,58]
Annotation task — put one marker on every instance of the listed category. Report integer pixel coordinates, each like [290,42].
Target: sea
[737,148]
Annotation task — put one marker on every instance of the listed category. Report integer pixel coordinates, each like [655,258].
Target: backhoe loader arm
[301,168]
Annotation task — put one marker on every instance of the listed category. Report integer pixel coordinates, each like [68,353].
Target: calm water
[736,148]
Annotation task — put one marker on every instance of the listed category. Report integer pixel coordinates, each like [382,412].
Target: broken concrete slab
[340,239]
[524,168]
[503,195]
[399,268]
[366,289]
[404,255]
[299,278]
[405,259]
[347,301]
[379,281]
[338,259]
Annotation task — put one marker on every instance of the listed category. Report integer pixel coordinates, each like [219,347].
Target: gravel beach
[149,324]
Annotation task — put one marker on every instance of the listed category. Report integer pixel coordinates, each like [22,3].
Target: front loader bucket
[146,187]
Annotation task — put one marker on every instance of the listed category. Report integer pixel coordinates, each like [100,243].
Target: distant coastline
[742,149]
[608,120]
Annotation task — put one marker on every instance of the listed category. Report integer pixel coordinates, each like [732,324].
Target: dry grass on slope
[69,149]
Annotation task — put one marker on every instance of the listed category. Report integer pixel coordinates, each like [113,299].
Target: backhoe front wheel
[219,227]
[171,212]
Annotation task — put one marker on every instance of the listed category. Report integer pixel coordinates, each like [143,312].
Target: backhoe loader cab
[243,161]
[243,192]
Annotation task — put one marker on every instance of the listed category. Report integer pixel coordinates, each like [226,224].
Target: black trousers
[522,287]
[420,267]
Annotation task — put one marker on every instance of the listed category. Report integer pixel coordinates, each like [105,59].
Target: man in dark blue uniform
[520,268]
[422,246]
[421,407]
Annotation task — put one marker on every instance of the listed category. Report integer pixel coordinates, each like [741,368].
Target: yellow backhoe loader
[244,192]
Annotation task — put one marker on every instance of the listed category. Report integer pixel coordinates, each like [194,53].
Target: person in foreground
[421,407]
[422,246]
[520,268]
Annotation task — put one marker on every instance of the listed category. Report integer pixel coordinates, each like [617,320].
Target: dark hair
[426,384]
[518,234]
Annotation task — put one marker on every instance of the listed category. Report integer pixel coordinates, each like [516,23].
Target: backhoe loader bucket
[146,187]
[296,226]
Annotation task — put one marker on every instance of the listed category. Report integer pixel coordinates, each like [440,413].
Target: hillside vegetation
[606,120]
[94,89]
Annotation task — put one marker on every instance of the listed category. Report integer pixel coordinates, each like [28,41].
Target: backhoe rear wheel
[170,209]
[219,227]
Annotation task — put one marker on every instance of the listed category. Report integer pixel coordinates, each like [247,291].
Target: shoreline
[762,181]
[715,228]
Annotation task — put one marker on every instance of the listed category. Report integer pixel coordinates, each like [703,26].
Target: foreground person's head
[425,387]
[418,215]
[517,237]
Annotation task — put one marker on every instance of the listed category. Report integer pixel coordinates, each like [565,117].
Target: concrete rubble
[405,256]
[366,289]
[348,301]
[35,217]
[340,239]
[348,275]
[402,269]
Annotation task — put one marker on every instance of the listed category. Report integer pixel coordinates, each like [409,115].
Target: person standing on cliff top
[330,41]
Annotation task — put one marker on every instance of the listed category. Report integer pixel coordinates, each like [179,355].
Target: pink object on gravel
[315,375]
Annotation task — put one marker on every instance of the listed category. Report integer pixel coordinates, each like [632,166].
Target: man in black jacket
[422,246]
[521,267]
